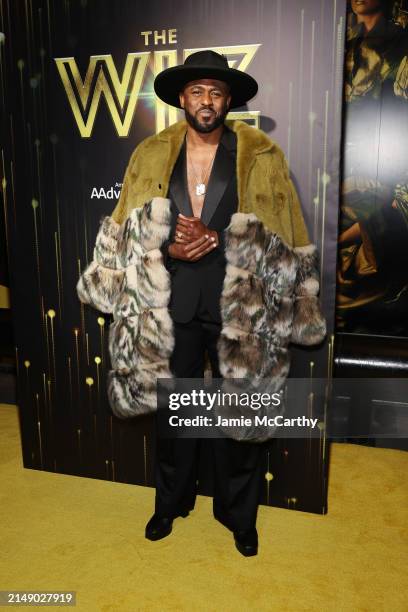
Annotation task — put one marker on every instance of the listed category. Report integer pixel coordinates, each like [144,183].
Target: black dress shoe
[158,527]
[246,542]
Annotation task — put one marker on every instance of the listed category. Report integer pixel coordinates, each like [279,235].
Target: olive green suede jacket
[264,185]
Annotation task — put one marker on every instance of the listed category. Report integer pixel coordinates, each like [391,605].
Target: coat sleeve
[101,282]
[309,325]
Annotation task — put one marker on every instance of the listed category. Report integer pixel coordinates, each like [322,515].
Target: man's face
[205,103]
[366,7]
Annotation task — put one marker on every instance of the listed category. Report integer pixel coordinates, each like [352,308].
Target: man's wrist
[168,259]
[170,248]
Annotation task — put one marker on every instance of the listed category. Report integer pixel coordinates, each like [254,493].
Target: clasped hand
[192,239]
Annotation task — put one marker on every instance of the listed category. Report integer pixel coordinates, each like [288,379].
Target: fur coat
[269,299]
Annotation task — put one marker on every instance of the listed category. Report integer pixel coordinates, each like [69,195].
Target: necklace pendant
[200,189]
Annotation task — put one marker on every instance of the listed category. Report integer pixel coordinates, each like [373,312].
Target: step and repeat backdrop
[77,82]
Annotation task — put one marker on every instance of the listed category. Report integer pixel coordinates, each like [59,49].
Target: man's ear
[181,98]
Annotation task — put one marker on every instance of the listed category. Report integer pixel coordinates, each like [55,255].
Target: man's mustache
[207,110]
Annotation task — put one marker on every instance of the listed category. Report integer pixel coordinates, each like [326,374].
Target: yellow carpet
[69,533]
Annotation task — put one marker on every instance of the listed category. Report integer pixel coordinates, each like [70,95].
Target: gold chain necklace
[200,187]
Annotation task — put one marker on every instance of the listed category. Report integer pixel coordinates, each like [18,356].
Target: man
[203,186]
[209,169]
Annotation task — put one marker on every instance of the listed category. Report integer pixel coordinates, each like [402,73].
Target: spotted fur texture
[256,302]
[269,299]
[127,278]
[256,309]
[309,325]
[266,288]
[101,283]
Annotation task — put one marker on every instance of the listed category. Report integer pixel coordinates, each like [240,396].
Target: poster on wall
[79,98]
[372,279]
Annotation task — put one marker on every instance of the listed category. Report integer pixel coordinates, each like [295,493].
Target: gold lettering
[251,117]
[161,37]
[121,94]
[146,36]
[173,37]
[99,84]
[162,109]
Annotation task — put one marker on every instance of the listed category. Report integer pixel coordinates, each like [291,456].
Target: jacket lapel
[178,185]
[223,169]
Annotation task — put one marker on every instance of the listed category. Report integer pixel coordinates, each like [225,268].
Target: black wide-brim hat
[204,65]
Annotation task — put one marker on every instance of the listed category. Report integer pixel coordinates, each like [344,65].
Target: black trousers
[237,465]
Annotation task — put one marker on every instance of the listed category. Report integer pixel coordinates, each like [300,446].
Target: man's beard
[206,128]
